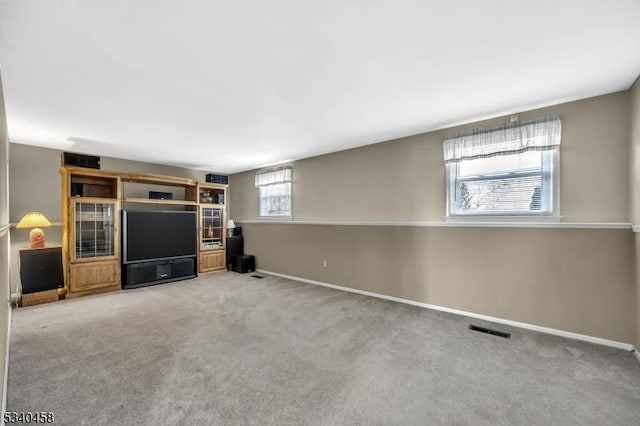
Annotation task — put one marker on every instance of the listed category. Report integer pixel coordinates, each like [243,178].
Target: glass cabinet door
[211,227]
[93,229]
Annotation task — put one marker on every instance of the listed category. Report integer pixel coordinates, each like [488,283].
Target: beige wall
[635,188]
[637,290]
[404,179]
[35,181]
[4,242]
[579,280]
[634,136]
[35,185]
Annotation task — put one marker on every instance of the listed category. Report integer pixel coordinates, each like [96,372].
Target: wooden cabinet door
[94,275]
[212,228]
[212,261]
[93,229]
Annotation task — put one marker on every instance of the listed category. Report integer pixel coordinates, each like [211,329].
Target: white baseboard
[547,330]
[5,385]
[469,222]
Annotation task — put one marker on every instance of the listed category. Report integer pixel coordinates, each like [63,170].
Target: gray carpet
[231,349]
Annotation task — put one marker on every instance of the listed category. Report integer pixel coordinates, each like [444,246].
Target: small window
[510,185]
[275,192]
[509,171]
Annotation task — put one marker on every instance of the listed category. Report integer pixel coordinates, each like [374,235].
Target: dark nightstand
[41,274]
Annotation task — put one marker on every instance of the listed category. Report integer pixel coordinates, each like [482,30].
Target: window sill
[498,219]
[274,219]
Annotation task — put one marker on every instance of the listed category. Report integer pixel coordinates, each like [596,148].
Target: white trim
[267,219]
[547,330]
[4,229]
[635,228]
[504,219]
[576,225]
[5,385]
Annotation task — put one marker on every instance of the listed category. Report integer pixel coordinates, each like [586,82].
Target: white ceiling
[228,86]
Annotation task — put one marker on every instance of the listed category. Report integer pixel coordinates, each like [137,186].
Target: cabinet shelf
[92,254]
[90,217]
[211,245]
[211,195]
[153,201]
[154,179]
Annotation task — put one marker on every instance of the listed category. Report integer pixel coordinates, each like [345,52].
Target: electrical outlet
[324,263]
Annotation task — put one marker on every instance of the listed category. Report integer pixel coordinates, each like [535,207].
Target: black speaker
[81,160]
[163,271]
[157,195]
[157,271]
[243,264]
[183,268]
[235,247]
[237,231]
[211,178]
[137,273]
[41,269]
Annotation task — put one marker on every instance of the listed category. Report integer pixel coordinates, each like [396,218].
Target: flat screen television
[153,235]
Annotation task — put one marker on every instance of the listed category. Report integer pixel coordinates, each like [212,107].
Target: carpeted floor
[231,349]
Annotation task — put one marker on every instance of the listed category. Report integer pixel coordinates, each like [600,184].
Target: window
[275,192]
[511,170]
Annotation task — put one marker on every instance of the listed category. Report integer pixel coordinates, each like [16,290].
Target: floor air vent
[490,331]
[257,276]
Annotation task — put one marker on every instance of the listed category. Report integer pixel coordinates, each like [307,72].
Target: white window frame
[262,199]
[282,176]
[550,192]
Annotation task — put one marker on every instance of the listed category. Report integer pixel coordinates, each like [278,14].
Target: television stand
[141,274]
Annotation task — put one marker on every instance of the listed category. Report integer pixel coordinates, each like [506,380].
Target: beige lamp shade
[34,220]
[230,226]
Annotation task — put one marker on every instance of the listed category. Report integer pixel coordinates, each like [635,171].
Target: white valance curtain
[273,177]
[541,134]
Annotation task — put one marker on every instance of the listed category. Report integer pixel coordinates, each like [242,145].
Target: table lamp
[34,220]
[230,226]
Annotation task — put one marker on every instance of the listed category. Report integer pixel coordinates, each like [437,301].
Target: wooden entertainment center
[92,202]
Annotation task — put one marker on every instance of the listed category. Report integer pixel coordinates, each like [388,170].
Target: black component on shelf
[142,274]
[212,178]
[76,189]
[237,231]
[81,160]
[157,195]
[41,269]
